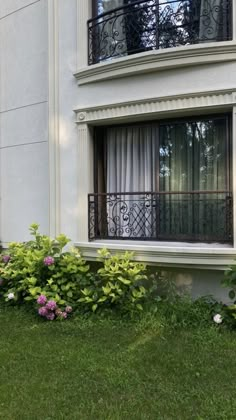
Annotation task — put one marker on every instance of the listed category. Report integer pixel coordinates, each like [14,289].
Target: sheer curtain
[132,159]
[174,160]
[192,158]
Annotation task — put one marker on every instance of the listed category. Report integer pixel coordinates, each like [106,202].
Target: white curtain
[112,30]
[210,20]
[132,155]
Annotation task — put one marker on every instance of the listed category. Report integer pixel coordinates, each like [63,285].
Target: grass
[113,370]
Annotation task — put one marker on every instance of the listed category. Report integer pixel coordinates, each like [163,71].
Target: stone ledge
[158,60]
[214,258]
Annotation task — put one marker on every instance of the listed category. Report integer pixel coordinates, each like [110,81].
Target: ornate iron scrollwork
[204,216]
[145,25]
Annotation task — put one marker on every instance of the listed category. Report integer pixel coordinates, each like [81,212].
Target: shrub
[228,312]
[40,267]
[118,284]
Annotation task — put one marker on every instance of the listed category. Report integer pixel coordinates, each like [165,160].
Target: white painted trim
[196,257]
[234,170]
[85,178]
[147,108]
[150,61]
[53,118]
[84,12]
[234,20]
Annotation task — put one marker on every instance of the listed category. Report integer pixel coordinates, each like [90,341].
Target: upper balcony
[145,25]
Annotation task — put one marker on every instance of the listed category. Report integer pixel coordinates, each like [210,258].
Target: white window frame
[194,255]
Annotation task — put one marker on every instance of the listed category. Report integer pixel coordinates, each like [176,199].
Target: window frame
[99,136]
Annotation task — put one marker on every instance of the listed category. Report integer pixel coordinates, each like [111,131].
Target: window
[124,27]
[167,180]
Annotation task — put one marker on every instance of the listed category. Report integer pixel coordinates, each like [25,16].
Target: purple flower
[43,311]
[64,315]
[41,300]
[68,309]
[48,261]
[51,305]
[6,258]
[50,316]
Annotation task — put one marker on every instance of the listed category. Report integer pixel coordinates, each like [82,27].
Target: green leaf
[28,298]
[32,280]
[106,290]
[139,307]
[142,289]
[102,299]
[86,292]
[94,307]
[123,280]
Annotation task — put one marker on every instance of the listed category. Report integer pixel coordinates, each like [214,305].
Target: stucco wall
[23,117]
[202,78]
[197,283]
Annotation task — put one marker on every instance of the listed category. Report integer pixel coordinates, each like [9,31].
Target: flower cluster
[217,319]
[6,258]
[48,261]
[50,310]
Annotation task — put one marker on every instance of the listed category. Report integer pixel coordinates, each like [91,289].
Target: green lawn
[114,370]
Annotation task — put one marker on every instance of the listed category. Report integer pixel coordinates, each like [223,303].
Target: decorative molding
[84,178]
[53,118]
[151,61]
[214,258]
[156,106]
[84,12]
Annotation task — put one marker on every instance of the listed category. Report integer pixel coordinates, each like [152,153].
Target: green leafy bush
[119,284]
[41,271]
[40,267]
[229,311]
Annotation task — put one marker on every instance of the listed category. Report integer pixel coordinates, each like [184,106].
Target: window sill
[158,60]
[203,256]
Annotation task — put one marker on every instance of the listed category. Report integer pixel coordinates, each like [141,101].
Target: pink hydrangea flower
[41,300]
[51,305]
[43,311]
[6,258]
[58,312]
[68,309]
[48,261]
[50,316]
[64,315]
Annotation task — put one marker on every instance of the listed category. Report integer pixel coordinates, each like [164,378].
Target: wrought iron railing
[146,25]
[197,216]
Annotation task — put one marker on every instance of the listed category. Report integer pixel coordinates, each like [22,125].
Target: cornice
[154,106]
[171,256]
[158,60]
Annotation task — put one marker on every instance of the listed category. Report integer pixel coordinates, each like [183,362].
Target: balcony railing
[146,25]
[198,216]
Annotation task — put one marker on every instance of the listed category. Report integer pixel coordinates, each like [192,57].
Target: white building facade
[118,128]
